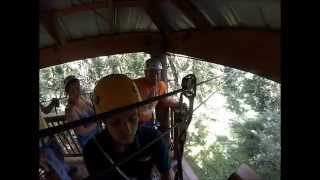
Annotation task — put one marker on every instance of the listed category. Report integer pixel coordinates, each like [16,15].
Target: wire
[106,155]
[206,81]
[95,118]
[183,56]
[208,97]
[204,102]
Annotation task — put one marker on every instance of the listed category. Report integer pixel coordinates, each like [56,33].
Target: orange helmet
[115,91]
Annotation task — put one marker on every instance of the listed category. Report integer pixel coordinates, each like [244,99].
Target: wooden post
[162,113]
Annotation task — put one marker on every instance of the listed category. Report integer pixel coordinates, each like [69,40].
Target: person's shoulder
[90,147]
[148,132]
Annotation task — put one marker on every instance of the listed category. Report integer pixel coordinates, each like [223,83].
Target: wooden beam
[95,5]
[100,46]
[152,8]
[51,24]
[112,20]
[249,50]
[192,13]
[254,51]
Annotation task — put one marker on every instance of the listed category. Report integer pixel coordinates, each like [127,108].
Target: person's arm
[168,101]
[73,116]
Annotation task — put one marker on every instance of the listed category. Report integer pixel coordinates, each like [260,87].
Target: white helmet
[68,79]
[153,63]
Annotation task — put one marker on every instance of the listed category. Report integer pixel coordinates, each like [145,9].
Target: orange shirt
[148,91]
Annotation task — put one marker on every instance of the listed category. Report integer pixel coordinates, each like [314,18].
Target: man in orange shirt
[150,86]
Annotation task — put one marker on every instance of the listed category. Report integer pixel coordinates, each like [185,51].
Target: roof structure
[243,34]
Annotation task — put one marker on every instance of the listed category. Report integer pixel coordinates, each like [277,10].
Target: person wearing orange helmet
[123,135]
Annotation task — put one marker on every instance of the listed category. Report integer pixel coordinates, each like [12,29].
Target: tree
[258,137]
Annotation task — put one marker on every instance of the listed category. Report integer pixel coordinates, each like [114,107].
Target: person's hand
[55,102]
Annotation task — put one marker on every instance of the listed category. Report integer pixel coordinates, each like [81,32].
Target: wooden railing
[67,140]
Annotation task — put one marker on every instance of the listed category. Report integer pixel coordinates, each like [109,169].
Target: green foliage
[258,137]
[255,138]
[134,65]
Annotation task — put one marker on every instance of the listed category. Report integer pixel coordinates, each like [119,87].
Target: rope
[208,80]
[96,118]
[106,155]
[208,97]
[183,134]
[88,93]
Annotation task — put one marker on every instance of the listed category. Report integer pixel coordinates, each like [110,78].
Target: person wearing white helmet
[78,108]
[150,86]
[123,136]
